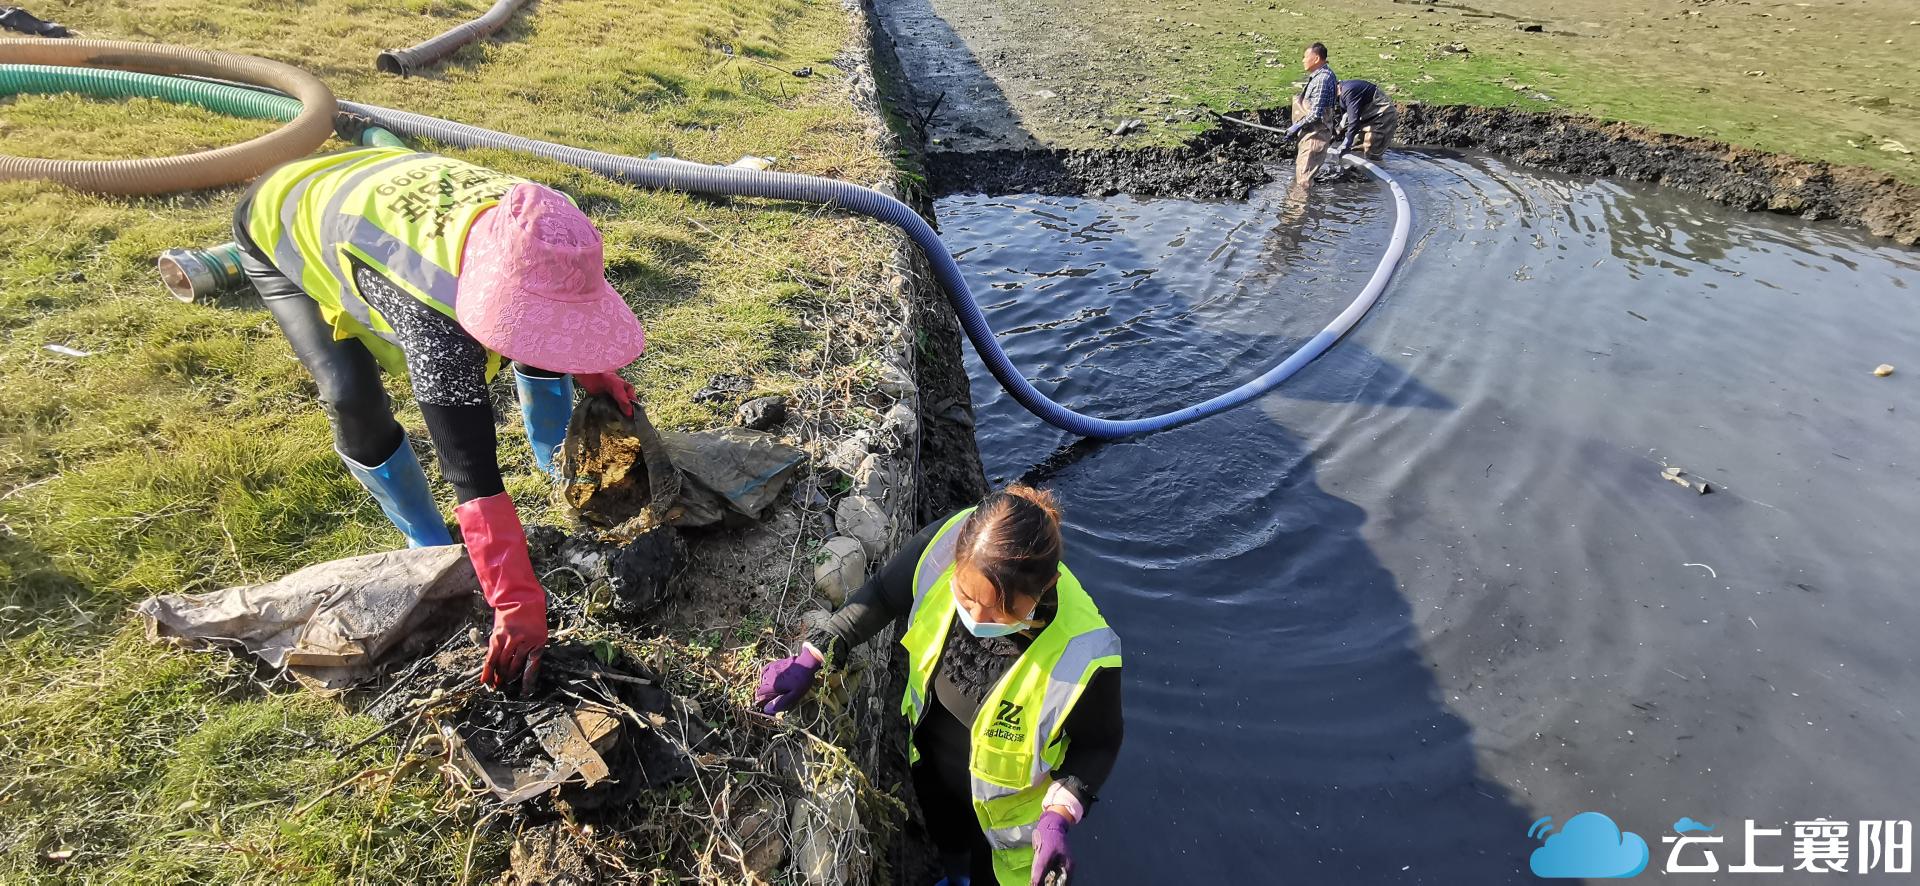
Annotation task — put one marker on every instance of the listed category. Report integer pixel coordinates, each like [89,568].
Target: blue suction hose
[679,175]
[676,175]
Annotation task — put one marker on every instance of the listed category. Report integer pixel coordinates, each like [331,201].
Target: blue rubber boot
[546,405]
[400,486]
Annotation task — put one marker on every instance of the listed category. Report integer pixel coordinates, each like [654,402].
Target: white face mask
[991,629]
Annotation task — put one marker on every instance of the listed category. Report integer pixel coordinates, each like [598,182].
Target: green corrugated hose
[95,67]
[188,273]
[220,98]
[96,83]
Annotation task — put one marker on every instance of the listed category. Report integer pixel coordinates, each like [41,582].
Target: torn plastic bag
[331,625]
[730,470]
[618,474]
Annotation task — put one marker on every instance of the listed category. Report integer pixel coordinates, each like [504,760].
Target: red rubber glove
[497,545]
[613,386]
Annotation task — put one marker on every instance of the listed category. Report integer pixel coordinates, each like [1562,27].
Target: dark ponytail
[1013,539]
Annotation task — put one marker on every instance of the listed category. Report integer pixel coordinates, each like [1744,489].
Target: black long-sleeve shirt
[1357,98]
[969,667]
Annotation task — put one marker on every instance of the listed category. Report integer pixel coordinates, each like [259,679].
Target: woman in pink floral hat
[423,264]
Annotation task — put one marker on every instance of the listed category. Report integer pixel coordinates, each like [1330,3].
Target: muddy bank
[1229,163]
[1213,165]
[947,469]
[1734,176]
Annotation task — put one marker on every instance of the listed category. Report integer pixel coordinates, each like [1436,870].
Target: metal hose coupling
[201,275]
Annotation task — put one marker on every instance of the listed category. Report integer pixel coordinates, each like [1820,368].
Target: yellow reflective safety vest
[403,214]
[1016,735]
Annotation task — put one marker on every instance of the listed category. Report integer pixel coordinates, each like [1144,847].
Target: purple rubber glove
[783,683]
[1050,852]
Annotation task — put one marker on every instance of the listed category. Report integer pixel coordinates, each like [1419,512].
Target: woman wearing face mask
[1013,685]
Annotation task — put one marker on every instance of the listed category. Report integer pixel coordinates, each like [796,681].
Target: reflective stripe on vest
[1064,683]
[347,294]
[405,215]
[1016,738]
[933,565]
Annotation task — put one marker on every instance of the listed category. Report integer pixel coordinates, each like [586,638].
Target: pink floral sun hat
[533,287]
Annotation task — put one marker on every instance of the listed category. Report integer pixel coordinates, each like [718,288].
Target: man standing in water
[1313,114]
[1369,115]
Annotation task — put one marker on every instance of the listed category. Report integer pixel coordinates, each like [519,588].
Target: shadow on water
[1282,723]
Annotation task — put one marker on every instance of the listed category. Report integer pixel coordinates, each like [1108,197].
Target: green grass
[188,453]
[1825,81]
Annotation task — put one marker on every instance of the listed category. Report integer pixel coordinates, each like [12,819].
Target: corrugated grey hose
[315,109]
[679,175]
[408,61]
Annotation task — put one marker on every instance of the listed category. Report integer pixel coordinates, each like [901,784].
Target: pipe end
[193,275]
[389,63]
[184,274]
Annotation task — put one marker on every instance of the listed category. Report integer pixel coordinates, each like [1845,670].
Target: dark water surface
[1436,587]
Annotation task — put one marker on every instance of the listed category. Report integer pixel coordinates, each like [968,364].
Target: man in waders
[1013,685]
[383,258]
[1368,114]
[1313,111]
